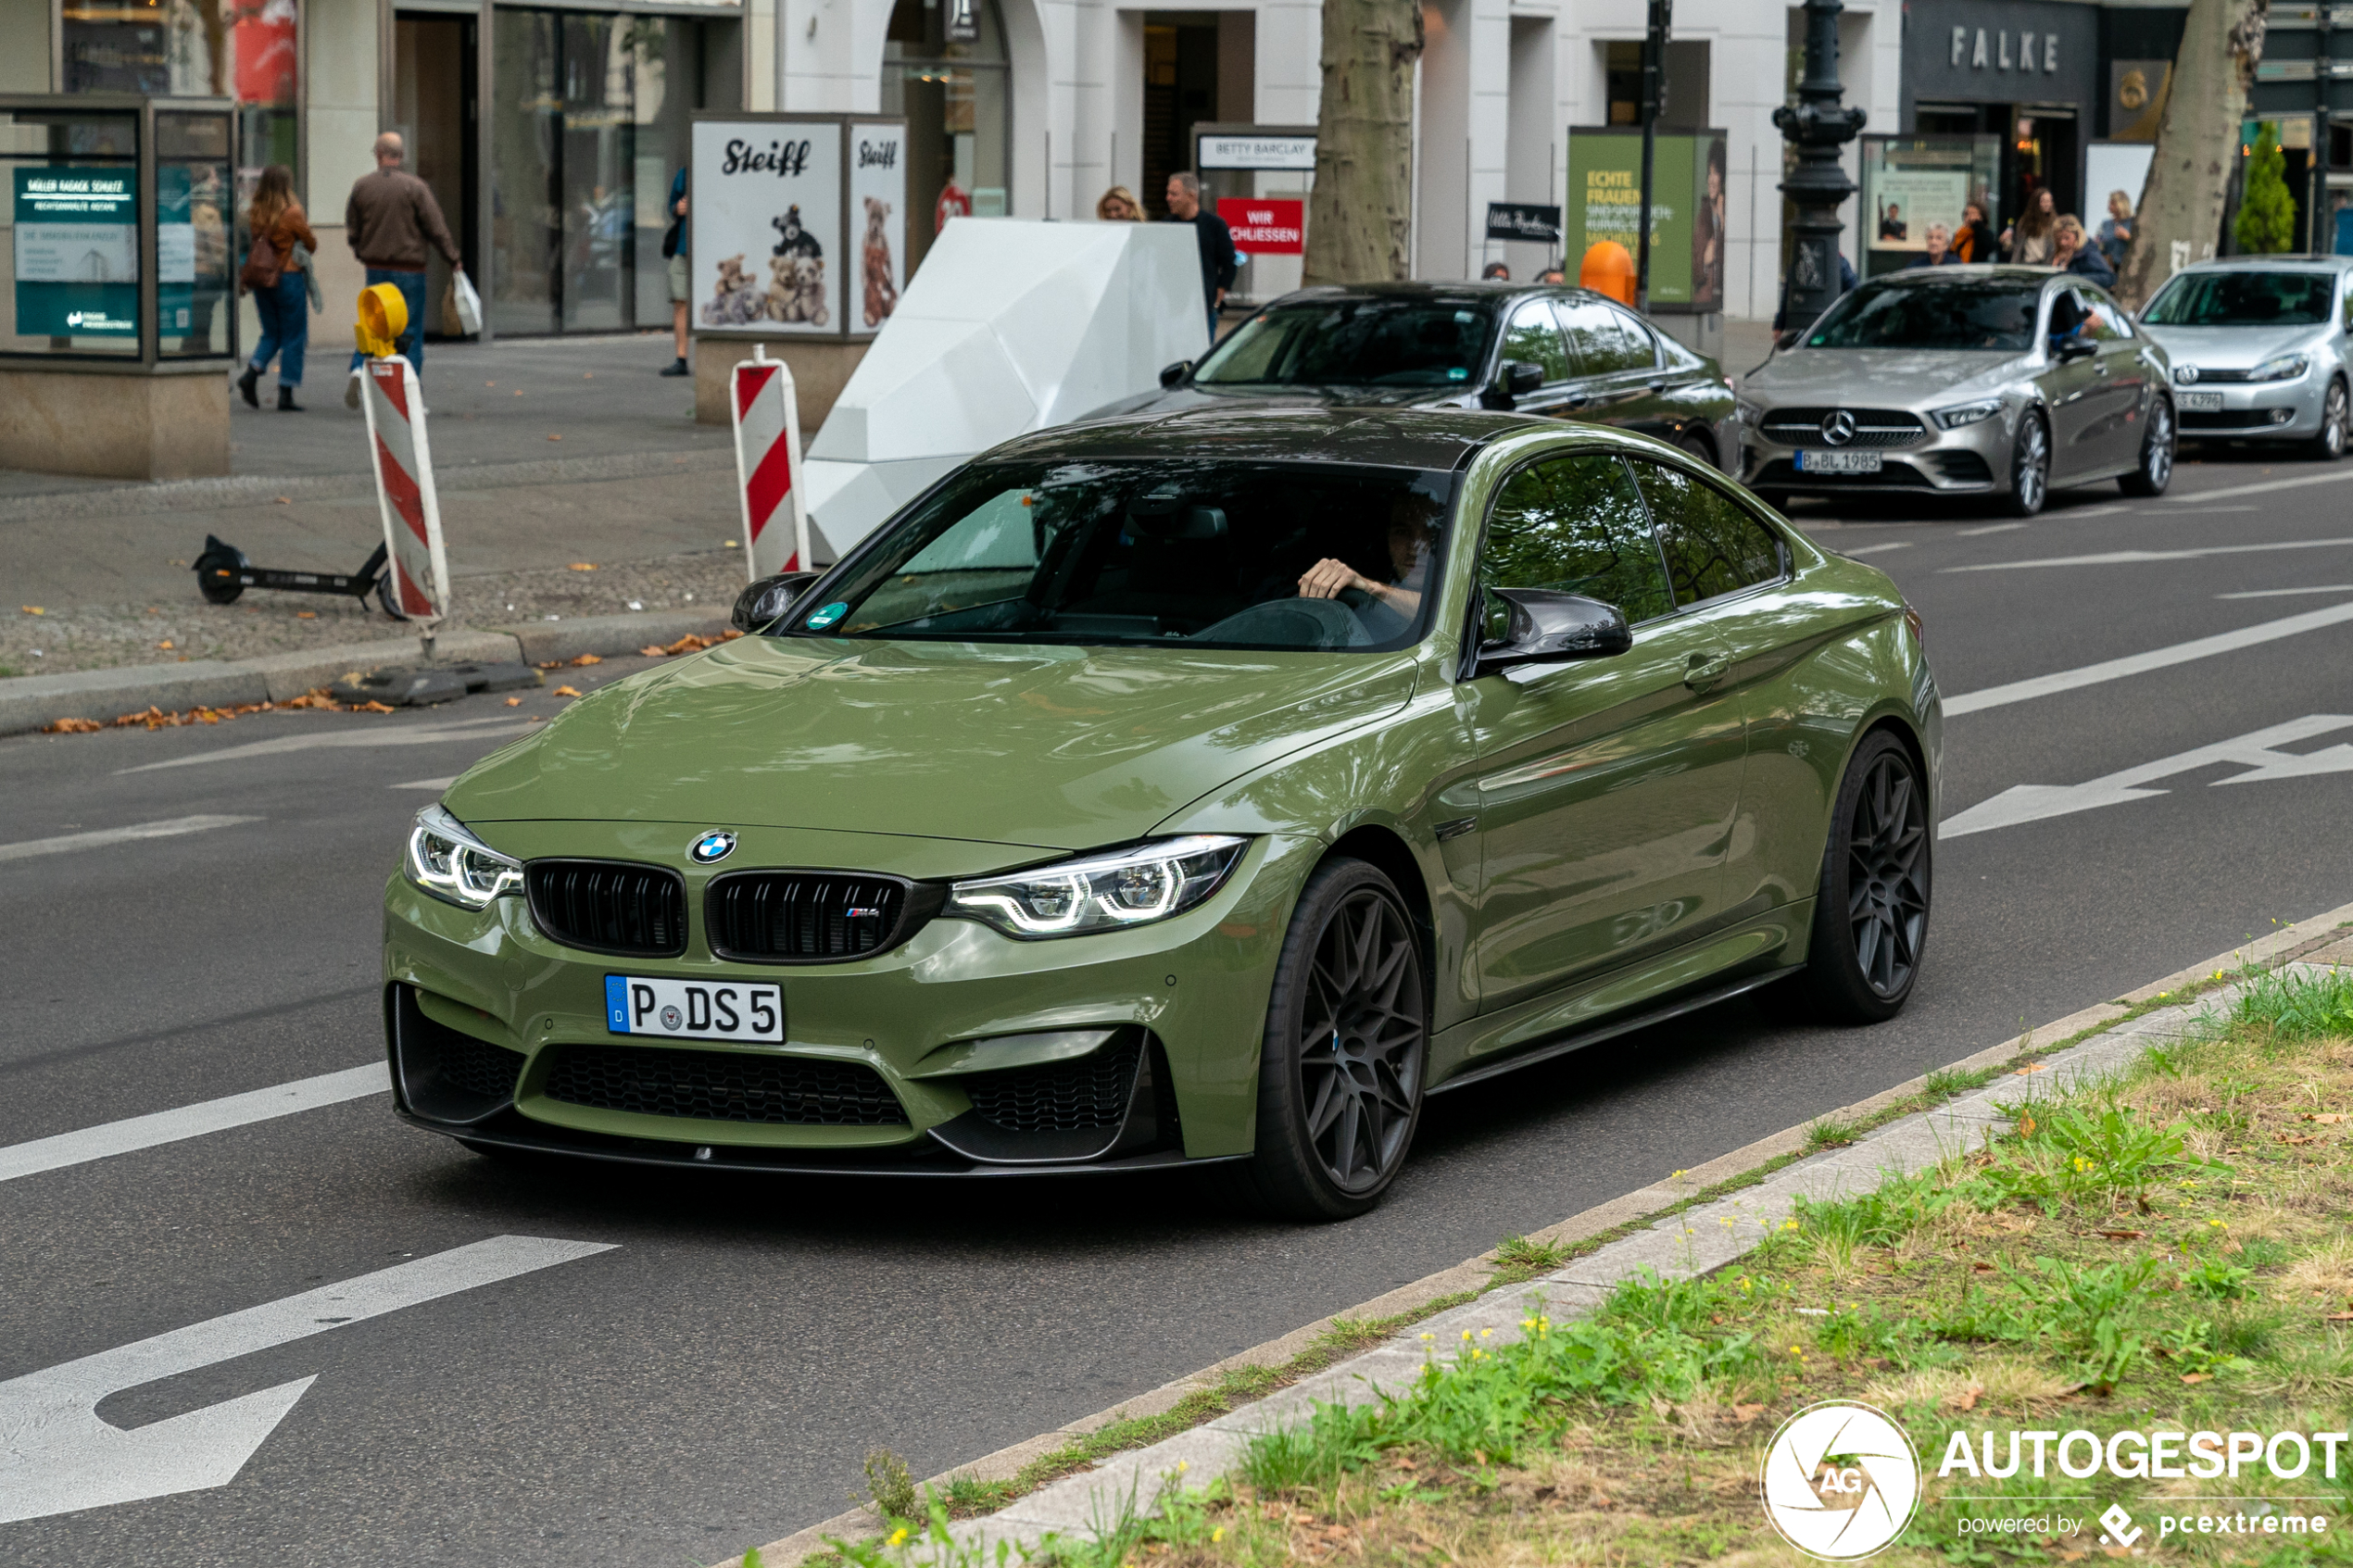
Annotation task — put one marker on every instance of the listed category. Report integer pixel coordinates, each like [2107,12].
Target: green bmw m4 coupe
[1193,789]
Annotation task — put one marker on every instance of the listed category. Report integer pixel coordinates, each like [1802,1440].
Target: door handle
[1579,399]
[1704,670]
[1658,385]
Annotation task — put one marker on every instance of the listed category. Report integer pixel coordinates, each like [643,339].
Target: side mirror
[1542,626]
[766,601]
[1513,380]
[1788,340]
[1171,374]
[2070,349]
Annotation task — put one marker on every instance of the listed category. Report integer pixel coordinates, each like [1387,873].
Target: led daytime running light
[448,861]
[1102,892]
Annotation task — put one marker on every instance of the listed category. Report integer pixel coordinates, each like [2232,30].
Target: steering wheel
[1355,598]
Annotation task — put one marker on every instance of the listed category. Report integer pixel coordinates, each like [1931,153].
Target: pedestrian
[2027,242]
[682,282]
[1119,206]
[2071,254]
[1495,272]
[1218,269]
[389,219]
[2116,233]
[1940,249]
[278,280]
[1974,243]
[1552,275]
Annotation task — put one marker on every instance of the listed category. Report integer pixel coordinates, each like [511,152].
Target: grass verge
[2171,1251]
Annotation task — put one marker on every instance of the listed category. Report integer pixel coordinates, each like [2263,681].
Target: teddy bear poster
[768,251]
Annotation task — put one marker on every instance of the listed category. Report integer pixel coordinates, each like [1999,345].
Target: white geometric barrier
[1011,325]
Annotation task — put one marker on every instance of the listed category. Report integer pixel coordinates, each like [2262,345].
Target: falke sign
[1265,227]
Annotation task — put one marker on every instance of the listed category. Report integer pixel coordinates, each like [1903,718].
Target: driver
[1412,533]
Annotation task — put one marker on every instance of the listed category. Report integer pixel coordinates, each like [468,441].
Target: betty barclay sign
[798,224]
[77,252]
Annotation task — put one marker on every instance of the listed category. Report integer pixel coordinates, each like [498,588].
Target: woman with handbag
[278,274]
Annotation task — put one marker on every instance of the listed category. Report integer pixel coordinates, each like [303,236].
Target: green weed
[1828,1132]
[2096,1312]
[2295,1006]
[891,1485]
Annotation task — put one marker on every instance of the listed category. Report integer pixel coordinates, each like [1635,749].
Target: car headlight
[1961,414]
[1747,412]
[2288,367]
[1104,891]
[449,863]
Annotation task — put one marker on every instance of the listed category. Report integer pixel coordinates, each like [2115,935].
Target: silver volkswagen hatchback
[2001,382]
[2259,348]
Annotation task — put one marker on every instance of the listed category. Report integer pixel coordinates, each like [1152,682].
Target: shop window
[246,50]
[953,95]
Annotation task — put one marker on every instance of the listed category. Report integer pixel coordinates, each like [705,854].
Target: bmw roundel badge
[711,848]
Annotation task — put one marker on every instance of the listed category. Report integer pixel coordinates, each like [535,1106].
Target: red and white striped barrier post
[412,512]
[776,515]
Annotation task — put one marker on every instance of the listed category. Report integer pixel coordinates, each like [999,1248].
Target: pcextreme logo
[1840,1481]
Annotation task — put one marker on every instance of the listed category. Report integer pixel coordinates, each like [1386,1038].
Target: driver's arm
[1328,579]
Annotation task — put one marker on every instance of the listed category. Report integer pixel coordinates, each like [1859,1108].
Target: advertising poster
[768,251]
[1265,226]
[1686,210]
[1912,181]
[878,214]
[77,252]
[1908,200]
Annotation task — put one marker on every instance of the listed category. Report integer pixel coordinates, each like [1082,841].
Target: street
[697,1364]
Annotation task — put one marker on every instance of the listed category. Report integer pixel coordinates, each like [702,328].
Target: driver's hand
[1328,579]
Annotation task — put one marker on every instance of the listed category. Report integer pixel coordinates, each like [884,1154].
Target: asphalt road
[711,1380]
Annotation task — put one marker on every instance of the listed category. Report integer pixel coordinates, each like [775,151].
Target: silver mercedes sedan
[2000,382]
[2259,348]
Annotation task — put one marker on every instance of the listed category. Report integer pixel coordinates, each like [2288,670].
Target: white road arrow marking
[2031,803]
[58,1456]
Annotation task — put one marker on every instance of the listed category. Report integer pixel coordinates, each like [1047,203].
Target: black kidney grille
[722,1087]
[803,916]
[1064,1098]
[478,1067]
[609,907]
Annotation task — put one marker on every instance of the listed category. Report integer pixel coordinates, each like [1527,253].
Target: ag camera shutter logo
[1840,1481]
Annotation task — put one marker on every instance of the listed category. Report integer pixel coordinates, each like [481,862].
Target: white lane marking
[464,729]
[2279,593]
[2140,663]
[2256,751]
[170,827]
[58,1456]
[2071,513]
[428,784]
[2119,558]
[2265,488]
[1991,528]
[109,1138]
[1877,549]
[2191,511]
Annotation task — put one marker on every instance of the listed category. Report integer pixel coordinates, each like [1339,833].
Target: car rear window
[2252,298]
[1166,553]
[1992,315]
[1712,546]
[1375,342]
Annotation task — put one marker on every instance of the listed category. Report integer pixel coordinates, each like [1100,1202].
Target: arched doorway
[955,93]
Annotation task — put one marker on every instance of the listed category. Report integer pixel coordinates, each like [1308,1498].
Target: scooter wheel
[384,597]
[217,577]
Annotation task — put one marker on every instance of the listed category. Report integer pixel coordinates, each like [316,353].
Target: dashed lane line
[110,1139]
[2192,497]
[2140,663]
[2282,593]
[2120,557]
[463,729]
[435,784]
[170,827]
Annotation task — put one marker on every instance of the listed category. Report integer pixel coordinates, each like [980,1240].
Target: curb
[29,702]
[1681,1245]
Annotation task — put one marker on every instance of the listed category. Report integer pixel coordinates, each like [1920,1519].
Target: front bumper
[1972,460]
[2254,411]
[959,1051]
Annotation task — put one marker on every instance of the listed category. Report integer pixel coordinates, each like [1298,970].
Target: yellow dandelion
[899,1536]
[1217,1534]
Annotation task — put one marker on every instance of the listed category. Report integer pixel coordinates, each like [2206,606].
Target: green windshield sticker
[827,616]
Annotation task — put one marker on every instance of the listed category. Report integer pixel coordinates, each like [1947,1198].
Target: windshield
[1201,553]
[2241,299]
[1359,342]
[1994,316]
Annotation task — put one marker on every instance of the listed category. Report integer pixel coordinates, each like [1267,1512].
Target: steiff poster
[765,206]
[877,220]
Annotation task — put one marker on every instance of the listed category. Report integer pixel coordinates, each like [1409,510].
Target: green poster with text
[1687,209]
[77,252]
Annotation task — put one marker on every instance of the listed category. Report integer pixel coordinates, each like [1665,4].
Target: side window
[1533,337]
[1604,341]
[1577,525]
[2101,318]
[1712,545]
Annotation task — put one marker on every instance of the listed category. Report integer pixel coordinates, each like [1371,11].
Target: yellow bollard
[384,316]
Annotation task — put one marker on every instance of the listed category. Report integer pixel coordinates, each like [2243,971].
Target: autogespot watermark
[1839,1480]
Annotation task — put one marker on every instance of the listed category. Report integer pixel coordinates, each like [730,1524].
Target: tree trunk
[1362,212]
[2180,214]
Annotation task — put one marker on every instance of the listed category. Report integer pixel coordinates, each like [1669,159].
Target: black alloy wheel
[1340,1085]
[1697,446]
[1870,914]
[2155,469]
[2030,466]
[2336,426]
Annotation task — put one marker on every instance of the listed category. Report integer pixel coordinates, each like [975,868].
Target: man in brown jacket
[390,217]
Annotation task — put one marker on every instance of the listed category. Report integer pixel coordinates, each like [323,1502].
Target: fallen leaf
[688,644]
[2031,1067]
[555,437]
[371,707]
[305,615]
[514,702]
[652,651]
[583,566]
[2293,1142]
[1967,1400]
[2124,1235]
[165,643]
[72,727]
[2197,1377]
[33,609]
[1983,1267]
[2338,1317]
[587,658]
[567,691]
[1746,1414]
[2326,1118]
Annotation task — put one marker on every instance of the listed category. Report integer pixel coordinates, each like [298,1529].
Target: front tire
[1347,1041]
[1870,911]
[2156,452]
[2336,426]
[2030,466]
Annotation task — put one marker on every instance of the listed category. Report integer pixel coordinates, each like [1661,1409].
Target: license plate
[1838,462]
[2200,402]
[694,1010]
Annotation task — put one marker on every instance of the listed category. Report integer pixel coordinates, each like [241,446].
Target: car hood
[2231,349]
[1895,377]
[1041,747]
[1174,399]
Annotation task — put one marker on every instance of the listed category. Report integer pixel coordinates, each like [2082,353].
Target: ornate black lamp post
[1817,125]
